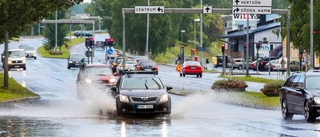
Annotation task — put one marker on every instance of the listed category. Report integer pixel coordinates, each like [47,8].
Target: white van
[16,58]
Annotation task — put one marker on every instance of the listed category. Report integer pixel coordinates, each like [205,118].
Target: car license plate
[193,67]
[144,106]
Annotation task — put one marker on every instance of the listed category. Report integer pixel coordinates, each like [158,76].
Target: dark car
[141,93]
[93,77]
[147,65]
[300,95]
[74,60]
[99,45]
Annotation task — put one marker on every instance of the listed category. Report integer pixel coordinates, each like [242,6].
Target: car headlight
[124,98]
[112,80]
[316,100]
[23,61]
[163,98]
[88,80]
[9,62]
[70,61]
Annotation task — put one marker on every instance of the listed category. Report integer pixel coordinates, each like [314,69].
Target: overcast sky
[88,1]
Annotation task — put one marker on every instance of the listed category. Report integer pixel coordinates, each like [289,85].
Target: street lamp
[194,34]
[182,31]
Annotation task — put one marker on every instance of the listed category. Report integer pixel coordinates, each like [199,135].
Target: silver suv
[237,63]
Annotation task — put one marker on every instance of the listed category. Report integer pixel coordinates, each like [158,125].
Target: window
[311,82]
[295,81]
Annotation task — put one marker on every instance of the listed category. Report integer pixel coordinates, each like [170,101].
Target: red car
[191,68]
[94,77]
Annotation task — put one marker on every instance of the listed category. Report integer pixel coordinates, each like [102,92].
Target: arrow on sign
[160,10]
[236,10]
[237,1]
[207,9]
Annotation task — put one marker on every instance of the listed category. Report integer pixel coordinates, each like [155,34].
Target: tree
[50,31]
[16,15]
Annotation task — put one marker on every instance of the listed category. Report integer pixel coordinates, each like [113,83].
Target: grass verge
[65,50]
[14,91]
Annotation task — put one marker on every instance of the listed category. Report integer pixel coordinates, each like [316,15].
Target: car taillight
[114,64]
[156,68]
[234,62]
[139,67]
[261,63]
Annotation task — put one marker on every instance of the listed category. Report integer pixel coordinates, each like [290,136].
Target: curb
[20,100]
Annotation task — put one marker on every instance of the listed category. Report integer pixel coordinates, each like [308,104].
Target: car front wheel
[284,108]
[308,113]
[240,67]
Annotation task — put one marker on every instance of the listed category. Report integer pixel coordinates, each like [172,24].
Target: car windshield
[131,62]
[77,56]
[148,63]
[16,54]
[311,82]
[194,63]
[29,49]
[141,83]
[101,71]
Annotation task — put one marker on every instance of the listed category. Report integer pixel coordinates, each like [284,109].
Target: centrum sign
[148,9]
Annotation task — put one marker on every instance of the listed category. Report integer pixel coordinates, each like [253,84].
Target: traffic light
[300,53]
[245,45]
[258,46]
[87,43]
[222,47]
[110,42]
[232,47]
[91,42]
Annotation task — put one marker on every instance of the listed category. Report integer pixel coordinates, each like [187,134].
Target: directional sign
[109,51]
[252,3]
[251,10]
[148,9]
[207,9]
[198,48]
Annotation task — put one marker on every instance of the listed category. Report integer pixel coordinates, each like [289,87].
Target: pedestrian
[178,59]
[283,63]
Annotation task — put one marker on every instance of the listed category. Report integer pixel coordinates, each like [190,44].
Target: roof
[259,29]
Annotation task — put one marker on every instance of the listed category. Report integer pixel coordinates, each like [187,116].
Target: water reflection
[144,126]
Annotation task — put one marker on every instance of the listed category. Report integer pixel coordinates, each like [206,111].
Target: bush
[272,88]
[229,85]
[55,52]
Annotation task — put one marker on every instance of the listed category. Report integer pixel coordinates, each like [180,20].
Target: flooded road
[60,114]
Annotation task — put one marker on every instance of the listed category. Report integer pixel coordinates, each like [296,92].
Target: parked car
[30,52]
[93,77]
[272,65]
[147,65]
[238,63]
[220,61]
[300,95]
[191,68]
[262,62]
[141,93]
[74,60]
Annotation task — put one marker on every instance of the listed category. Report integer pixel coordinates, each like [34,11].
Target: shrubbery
[272,88]
[229,85]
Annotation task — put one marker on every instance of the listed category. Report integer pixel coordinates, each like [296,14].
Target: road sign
[245,16]
[148,9]
[251,10]
[88,53]
[207,9]
[253,3]
[198,48]
[109,51]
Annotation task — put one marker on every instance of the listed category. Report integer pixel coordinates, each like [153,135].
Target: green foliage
[229,85]
[17,15]
[272,88]
[253,79]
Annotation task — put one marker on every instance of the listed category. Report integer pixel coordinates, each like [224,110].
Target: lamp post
[182,31]
[147,38]
[194,31]
[201,32]
[311,36]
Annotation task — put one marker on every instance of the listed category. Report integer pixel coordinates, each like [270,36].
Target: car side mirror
[300,89]
[169,87]
[114,89]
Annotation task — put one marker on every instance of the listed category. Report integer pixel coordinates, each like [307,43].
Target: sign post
[251,7]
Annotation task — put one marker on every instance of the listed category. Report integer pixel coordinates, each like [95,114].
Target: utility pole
[56,32]
[311,36]
[5,61]
[247,49]
[147,38]
[201,22]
